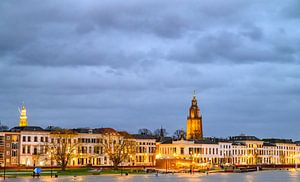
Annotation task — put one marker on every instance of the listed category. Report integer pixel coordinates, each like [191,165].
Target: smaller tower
[23,116]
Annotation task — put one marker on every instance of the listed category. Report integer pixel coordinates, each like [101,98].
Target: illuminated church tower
[194,122]
[23,117]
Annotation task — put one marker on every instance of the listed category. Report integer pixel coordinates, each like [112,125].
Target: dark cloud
[135,64]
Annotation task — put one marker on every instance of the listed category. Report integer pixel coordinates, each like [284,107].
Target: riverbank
[263,176]
[11,173]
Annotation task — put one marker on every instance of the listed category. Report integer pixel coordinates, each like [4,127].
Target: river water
[264,176]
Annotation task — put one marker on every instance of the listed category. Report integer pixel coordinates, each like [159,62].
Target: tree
[160,133]
[62,146]
[144,131]
[179,134]
[3,127]
[118,148]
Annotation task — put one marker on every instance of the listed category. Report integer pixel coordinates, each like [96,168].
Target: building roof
[239,143]
[267,144]
[83,130]
[206,141]
[166,140]
[297,143]
[26,128]
[106,131]
[243,138]
[140,136]
[277,140]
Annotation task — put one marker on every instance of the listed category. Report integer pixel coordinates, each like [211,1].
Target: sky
[135,64]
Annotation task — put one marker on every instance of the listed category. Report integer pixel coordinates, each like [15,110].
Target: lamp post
[51,164]
[166,166]
[4,166]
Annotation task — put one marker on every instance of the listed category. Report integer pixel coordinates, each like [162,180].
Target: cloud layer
[135,64]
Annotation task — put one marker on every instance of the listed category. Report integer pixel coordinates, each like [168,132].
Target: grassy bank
[70,172]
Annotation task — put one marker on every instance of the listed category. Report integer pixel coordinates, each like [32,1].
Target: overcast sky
[134,64]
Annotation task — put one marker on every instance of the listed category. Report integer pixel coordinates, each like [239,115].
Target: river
[264,176]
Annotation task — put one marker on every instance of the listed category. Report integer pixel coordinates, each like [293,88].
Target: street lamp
[51,164]
[4,167]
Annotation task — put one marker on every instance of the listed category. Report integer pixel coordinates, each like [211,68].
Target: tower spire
[23,116]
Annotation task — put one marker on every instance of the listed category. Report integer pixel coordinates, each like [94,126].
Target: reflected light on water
[124,178]
[249,178]
[294,175]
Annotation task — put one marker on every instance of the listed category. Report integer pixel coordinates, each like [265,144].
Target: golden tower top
[23,116]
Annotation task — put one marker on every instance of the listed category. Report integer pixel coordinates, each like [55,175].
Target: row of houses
[30,146]
[27,146]
[237,150]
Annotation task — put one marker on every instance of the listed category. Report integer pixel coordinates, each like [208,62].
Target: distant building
[145,150]
[23,116]
[194,122]
[9,148]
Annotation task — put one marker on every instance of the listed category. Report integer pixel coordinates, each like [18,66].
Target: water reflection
[274,176]
[249,178]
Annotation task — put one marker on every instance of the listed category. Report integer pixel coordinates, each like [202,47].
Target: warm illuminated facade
[194,122]
[9,148]
[237,150]
[145,151]
[23,117]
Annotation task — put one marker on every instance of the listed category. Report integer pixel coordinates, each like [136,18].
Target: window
[1,140]
[8,138]
[24,138]
[35,139]
[28,149]
[14,153]
[46,139]
[15,138]
[181,150]
[90,150]
[23,149]
[7,153]
[29,139]
[42,139]
[7,145]
[35,151]
[14,146]
[190,150]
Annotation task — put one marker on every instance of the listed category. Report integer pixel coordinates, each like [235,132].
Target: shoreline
[11,174]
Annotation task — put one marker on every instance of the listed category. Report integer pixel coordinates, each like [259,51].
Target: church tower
[23,117]
[194,122]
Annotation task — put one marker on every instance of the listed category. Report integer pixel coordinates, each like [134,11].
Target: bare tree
[62,146]
[160,133]
[144,131]
[118,148]
[179,134]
